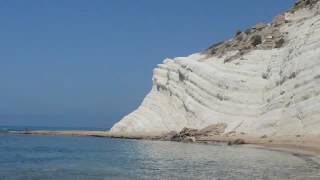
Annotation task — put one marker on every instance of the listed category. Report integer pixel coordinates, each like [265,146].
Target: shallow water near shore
[52,157]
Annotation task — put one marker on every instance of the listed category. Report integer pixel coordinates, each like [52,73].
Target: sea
[40,157]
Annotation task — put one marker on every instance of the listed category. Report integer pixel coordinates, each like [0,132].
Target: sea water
[24,157]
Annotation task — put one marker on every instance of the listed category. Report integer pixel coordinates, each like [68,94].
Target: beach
[307,145]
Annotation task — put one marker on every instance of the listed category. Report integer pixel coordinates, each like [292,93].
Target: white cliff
[273,91]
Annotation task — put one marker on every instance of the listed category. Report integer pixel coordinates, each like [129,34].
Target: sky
[88,63]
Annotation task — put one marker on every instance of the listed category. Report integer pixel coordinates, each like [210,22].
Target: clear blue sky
[87,63]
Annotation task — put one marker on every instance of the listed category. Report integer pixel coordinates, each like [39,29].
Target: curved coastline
[301,146]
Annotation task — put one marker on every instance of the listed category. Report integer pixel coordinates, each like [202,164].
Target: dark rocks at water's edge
[236,142]
[186,134]
[216,131]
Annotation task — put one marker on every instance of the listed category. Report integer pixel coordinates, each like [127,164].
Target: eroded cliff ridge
[266,80]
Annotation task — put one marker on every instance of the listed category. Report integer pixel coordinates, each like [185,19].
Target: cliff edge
[264,81]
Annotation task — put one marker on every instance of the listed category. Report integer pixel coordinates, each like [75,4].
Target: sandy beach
[306,145]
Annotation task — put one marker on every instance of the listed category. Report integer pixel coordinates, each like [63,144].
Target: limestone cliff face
[263,90]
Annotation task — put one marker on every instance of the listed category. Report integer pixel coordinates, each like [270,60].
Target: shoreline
[304,145]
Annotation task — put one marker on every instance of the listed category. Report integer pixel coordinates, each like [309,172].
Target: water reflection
[198,161]
[45,157]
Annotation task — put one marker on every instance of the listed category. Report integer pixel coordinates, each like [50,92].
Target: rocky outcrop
[303,4]
[236,142]
[265,81]
[261,36]
[186,134]
[192,135]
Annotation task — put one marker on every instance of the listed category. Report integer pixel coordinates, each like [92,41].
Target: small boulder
[269,37]
[279,20]
[248,31]
[239,141]
[240,37]
[183,134]
[256,40]
[260,26]
[188,132]
[236,142]
[279,43]
[238,32]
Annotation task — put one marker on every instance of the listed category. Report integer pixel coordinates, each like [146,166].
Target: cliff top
[261,36]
